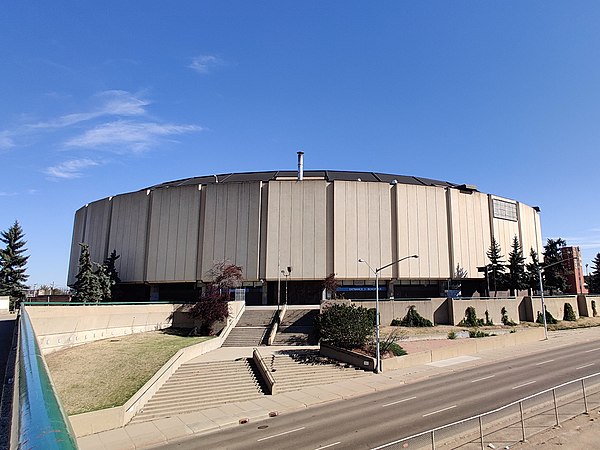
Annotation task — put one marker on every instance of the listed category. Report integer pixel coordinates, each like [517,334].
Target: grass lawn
[107,373]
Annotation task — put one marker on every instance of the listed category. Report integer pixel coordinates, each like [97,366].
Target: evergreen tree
[87,287]
[555,274]
[105,282]
[516,279]
[594,277]
[533,279]
[111,269]
[13,263]
[496,267]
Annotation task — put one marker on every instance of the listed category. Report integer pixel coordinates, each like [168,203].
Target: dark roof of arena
[329,175]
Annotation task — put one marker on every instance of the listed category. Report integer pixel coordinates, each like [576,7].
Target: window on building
[505,210]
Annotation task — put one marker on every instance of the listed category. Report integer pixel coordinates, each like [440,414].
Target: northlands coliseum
[316,222]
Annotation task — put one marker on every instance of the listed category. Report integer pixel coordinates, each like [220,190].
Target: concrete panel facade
[362,221]
[296,229]
[128,234]
[97,227]
[422,230]
[173,238]
[232,227]
[530,230]
[78,237]
[469,225]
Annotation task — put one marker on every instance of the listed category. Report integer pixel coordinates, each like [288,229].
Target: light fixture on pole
[376,271]
[286,275]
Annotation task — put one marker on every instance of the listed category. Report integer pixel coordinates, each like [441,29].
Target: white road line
[544,362]
[280,434]
[329,445]
[592,350]
[399,401]
[484,378]
[524,384]
[439,411]
[583,367]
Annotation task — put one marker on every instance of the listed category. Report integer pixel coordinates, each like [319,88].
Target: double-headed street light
[376,271]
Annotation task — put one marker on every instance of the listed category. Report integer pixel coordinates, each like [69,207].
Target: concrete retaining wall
[492,305]
[361,361]
[264,372]
[58,327]
[433,309]
[463,347]
[554,305]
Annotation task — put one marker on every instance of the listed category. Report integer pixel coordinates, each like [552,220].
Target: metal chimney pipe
[300,166]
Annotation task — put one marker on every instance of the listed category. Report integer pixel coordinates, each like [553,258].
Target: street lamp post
[376,271]
[286,275]
[540,270]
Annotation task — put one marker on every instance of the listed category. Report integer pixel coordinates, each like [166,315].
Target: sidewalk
[159,431]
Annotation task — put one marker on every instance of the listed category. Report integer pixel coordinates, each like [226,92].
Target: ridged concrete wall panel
[471,235]
[296,229]
[78,236]
[97,226]
[530,233]
[362,220]
[128,233]
[173,234]
[422,230]
[232,227]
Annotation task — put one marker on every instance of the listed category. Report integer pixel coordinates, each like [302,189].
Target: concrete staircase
[197,386]
[297,328]
[297,369]
[251,330]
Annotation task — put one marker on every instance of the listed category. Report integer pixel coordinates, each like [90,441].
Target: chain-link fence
[512,423]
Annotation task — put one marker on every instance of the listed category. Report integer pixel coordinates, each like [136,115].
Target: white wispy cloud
[128,135]
[70,169]
[112,103]
[7,194]
[6,141]
[204,63]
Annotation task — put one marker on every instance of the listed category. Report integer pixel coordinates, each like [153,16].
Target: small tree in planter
[549,318]
[471,319]
[505,319]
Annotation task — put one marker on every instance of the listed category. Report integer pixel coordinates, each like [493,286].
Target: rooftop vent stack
[300,166]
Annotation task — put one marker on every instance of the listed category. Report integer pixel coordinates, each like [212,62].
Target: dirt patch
[106,373]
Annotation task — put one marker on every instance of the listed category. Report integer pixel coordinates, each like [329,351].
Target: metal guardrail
[40,422]
[512,423]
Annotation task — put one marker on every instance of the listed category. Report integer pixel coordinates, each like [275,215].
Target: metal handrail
[41,421]
[478,416]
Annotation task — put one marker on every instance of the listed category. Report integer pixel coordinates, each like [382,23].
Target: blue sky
[103,98]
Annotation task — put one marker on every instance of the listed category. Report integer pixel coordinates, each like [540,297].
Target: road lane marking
[484,378]
[583,367]
[592,350]
[544,362]
[524,384]
[399,401]
[280,434]
[439,411]
[329,445]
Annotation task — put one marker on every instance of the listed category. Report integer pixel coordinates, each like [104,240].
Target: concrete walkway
[160,431]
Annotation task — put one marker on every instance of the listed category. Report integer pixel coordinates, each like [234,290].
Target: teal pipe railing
[42,423]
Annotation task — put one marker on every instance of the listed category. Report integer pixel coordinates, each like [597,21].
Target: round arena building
[295,228]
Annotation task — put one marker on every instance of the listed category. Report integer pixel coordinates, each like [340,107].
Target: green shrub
[505,318]
[396,323]
[471,319]
[373,316]
[396,350]
[569,313]
[594,312]
[488,321]
[478,334]
[549,318]
[414,319]
[451,335]
[345,326]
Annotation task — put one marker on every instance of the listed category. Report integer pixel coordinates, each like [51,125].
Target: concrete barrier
[463,347]
[263,370]
[433,309]
[356,359]
[554,305]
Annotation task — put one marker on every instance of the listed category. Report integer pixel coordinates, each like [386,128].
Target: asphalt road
[376,419]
